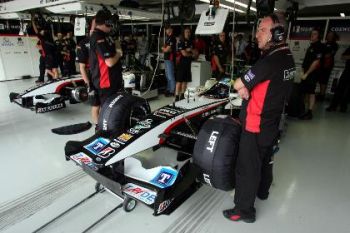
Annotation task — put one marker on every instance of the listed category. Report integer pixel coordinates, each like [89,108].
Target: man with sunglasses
[104,59]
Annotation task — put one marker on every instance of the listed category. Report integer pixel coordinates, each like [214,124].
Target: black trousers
[42,68]
[253,171]
[342,92]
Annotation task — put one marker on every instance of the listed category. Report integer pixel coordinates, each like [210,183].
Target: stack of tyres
[216,150]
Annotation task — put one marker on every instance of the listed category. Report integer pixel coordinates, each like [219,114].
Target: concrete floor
[311,190]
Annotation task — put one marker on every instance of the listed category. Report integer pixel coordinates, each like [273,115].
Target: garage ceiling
[307,7]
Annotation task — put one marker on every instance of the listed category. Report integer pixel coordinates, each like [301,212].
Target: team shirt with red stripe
[103,77]
[269,82]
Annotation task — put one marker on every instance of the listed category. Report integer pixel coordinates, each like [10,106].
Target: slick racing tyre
[122,111]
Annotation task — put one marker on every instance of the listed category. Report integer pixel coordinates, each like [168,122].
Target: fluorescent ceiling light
[65,8]
[9,16]
[342,14]
[226,6]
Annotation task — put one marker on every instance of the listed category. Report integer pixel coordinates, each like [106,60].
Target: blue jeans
[170,76]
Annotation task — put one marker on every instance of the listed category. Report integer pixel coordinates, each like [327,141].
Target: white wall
[18,57]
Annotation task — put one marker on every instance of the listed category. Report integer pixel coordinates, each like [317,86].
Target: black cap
[103,17]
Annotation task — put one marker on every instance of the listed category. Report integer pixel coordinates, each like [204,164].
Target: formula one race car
[128,128]
[52,95]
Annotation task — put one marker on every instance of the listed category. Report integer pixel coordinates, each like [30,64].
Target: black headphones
[277,31]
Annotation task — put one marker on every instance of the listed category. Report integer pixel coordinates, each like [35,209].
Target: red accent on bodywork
[64,84]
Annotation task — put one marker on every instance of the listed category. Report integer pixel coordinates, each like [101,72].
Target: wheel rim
[131,204]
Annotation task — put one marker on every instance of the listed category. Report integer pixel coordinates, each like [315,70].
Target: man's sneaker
[262,196]
[39,82]
[239,215]
[306,116]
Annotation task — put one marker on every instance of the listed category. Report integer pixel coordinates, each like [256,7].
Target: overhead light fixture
[241,4]
[342,15]
[226,6]
[65,8]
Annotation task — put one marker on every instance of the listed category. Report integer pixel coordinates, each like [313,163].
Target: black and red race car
[52,95]
[128,127]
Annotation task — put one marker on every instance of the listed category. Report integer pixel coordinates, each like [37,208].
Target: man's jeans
[170,76]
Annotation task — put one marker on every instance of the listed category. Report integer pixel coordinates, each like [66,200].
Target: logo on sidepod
[212,139]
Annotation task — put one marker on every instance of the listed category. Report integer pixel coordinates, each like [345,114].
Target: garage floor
[311,190]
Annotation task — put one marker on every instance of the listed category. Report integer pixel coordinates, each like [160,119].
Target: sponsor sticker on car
[115,145]
[82,158]
[164,205]
[165,178]
[145,124]
[145,195]
[106,152]
[125,137]
[97,145]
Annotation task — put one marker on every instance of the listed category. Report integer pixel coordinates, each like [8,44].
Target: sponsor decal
[106,152]
[206,179]
[187,135]
[165,112]
[125,137]
[48,1]
[289,74]
[81,158]
[140,193]
[133,131]
[115,144]
[164,205]
[209,24]
[212,139]
[209,113]
[118,141]
[249,76]
[6,42]
[145,124]
[97,145]
[50,108]
[165,178]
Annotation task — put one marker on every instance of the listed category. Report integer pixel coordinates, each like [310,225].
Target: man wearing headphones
[264,91]
[105,68]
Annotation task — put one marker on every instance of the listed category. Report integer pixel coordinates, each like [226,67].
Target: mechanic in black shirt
[104,59]
[330,49]
[312,71]
[59,42]
[83,51]
[264,91]
[169,50]
[48,51]
[342,92]
[219,57]
[183,74]
[71,46]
